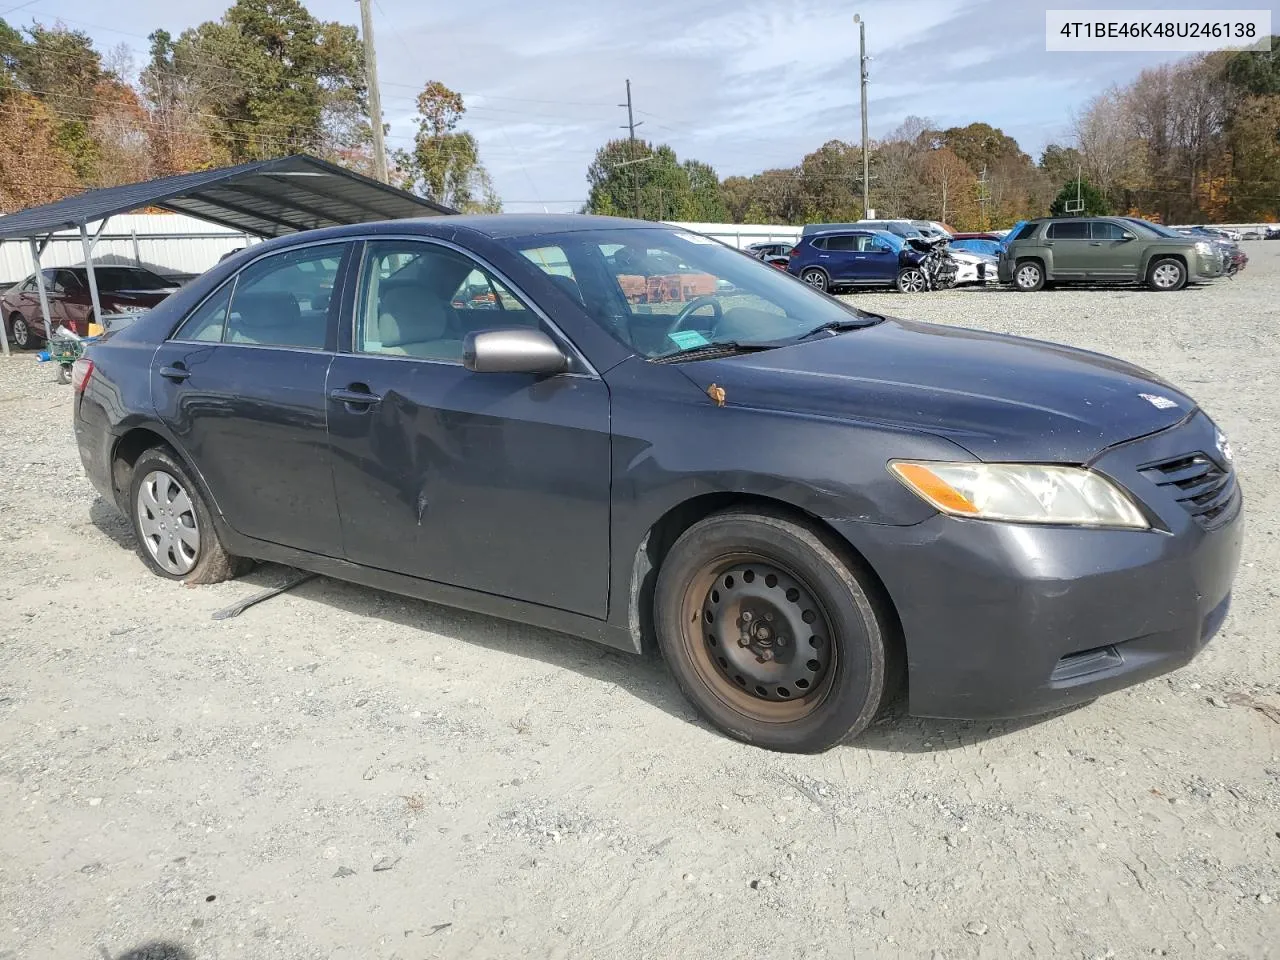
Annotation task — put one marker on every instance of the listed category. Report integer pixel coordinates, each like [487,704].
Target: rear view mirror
[513,350]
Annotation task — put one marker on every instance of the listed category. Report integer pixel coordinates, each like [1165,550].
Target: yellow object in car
[96,329]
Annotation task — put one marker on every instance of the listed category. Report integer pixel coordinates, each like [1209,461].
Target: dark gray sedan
[636,434]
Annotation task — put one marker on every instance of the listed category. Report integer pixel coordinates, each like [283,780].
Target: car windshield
[665,292]
[1157,229]
[115,279]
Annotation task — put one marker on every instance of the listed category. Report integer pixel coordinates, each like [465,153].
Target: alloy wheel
[1028,276]
[760,638]
[816,279]
[167,520]
[1166,276]
[21,333]
[911,281]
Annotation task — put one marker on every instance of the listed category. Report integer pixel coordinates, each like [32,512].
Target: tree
[34,169]
[1254,73]
[268,78]
[650,182]
[1095,202]
[1060,163]
[951,187]
[1255,152]
[706,197]
[1104,141]
[444,164]
[979,145]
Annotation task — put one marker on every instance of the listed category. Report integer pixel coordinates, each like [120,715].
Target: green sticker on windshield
[687,339]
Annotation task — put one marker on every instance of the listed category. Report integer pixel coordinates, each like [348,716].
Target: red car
[120,290]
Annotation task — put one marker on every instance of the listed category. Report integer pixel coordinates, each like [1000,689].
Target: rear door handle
[824,256]
[1096,243]
[362,398]
[177,373]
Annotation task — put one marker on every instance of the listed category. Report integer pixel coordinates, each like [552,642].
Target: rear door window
[206,324]
[286,300]
[1027,231]
[846,243]
[1071,230]
[1104,230]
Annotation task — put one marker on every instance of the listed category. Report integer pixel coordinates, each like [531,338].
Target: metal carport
[269,198]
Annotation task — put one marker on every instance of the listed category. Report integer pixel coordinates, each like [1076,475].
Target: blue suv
[851,258]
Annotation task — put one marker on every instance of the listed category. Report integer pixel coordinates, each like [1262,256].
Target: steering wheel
[691,308]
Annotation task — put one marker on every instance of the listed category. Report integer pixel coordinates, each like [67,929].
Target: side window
[206,324]
[29,285]
[1102,230]
[51,284]
[1070,230]
[843,243]
[420,300]
[819,244]
[1027,231]
[284,300]
[67,281]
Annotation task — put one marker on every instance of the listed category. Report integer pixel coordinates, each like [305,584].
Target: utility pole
[375,99]
[866,155]
[631,128]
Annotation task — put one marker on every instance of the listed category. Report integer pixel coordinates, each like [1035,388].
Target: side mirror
[513,350]
[1127,236]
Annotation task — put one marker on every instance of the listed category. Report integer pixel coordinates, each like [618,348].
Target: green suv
[1105,250]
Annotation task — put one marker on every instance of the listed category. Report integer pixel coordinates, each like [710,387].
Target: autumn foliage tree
[444,164]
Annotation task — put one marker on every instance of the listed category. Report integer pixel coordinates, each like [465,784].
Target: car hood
[999,397]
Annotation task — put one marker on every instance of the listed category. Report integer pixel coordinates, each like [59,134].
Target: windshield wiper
[717,348]
[842,326]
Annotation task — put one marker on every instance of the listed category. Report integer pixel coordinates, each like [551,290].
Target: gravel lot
[342,773]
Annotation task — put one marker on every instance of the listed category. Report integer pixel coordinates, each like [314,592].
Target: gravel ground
[344,773]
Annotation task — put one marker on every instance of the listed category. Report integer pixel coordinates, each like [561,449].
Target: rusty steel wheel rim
[759,638]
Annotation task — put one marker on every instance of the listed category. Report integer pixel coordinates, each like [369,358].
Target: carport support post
[4,336]
[93,280]
[44,295]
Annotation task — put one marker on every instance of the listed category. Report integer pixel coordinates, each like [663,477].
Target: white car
[969,263]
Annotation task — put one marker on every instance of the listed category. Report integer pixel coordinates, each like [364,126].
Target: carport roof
[269,198]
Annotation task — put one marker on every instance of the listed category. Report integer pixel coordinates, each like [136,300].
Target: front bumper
[1207,267]
[1008,620]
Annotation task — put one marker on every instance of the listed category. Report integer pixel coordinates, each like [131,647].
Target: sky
[744,85]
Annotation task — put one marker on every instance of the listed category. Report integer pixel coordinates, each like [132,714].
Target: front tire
[1028,276]
[1167,275]
[912,280]
[815,278]
[770,634]
[173,525]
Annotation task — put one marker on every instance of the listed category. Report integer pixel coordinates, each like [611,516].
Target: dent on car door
[497,482]
[241,385]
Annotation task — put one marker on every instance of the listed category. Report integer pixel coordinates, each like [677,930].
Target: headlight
[1024,493]
[1204,248]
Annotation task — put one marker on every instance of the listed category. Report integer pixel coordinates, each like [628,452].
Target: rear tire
[1166,275]
[23,338]
[815,278]
[770,634]
[1028,276]
[173,525]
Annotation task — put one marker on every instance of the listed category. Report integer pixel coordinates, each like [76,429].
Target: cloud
[741,84]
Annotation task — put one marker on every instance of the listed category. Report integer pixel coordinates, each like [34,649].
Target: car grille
[1204,489]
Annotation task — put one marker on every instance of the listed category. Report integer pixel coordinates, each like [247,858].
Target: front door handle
[1096,243]
[357,398]
[177,373]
